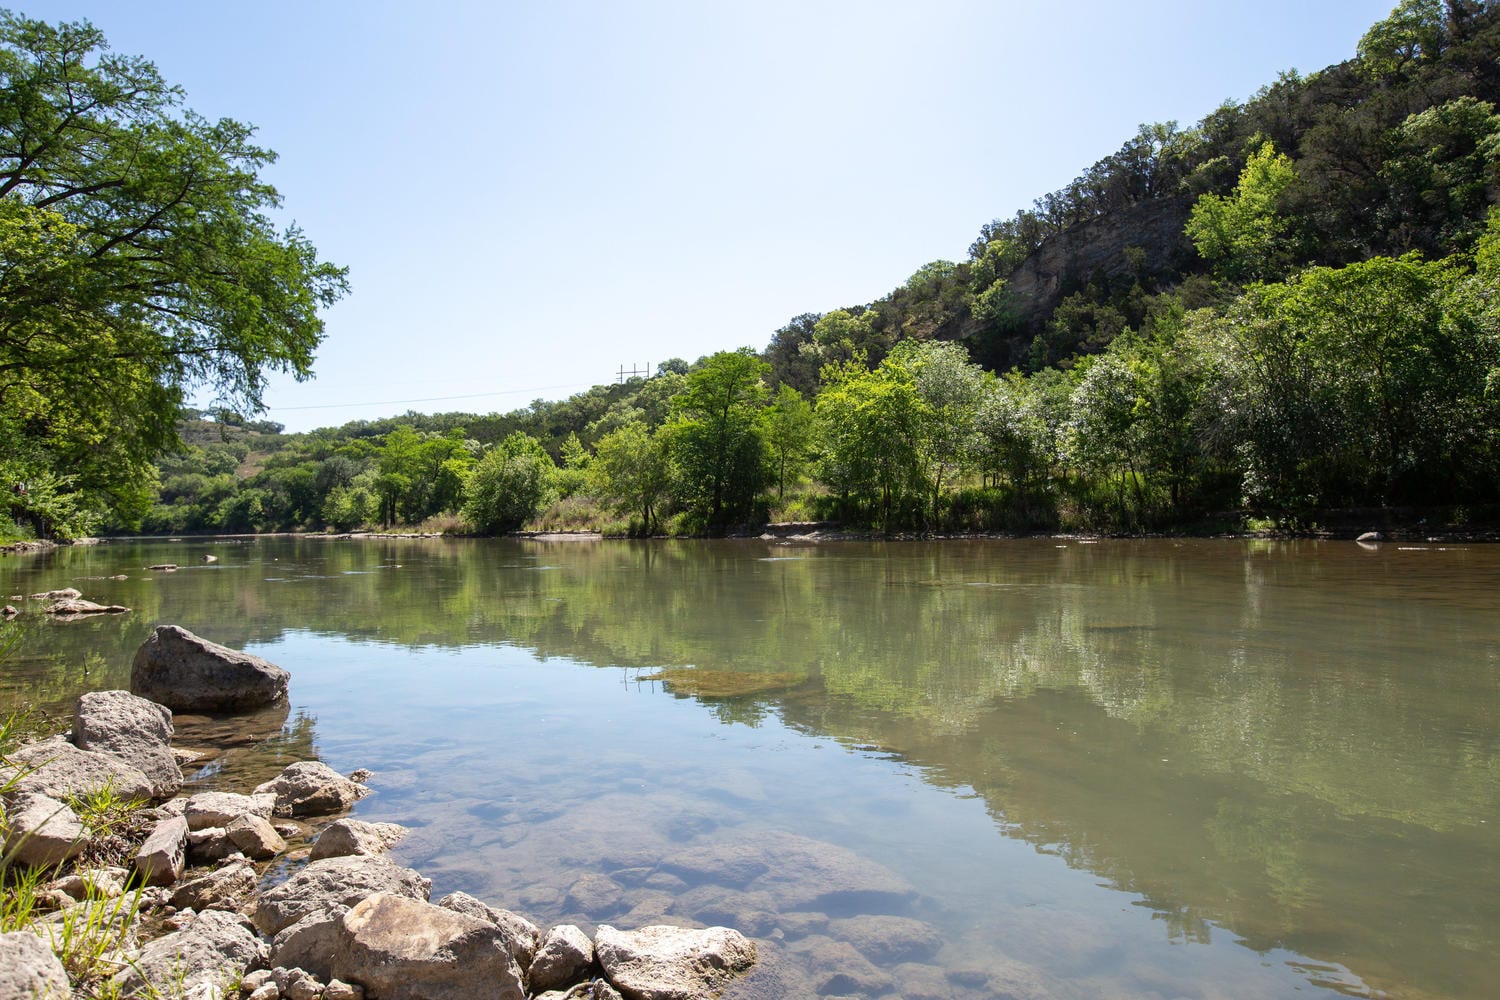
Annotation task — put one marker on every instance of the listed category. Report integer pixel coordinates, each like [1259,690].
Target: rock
[310,788]
[806,874]
[595,990]
[922,982]
[100,883]
[208,809]
[78,608]
[596,896]
[163,856]
[352,836]
[28,968]
[335,882]
[66,594]
[887,940]
[221,889]
[735,865]
[214,949]
[1371,536]
[566,955]
[133,730]
[406,949]
[210,845]
[522,936]
[672,963]
[164,567]
[297,984]
[361,776]
[339,990]
[56,768]
[42,831]
[186,673]
[837,968]
[255,836]
[255,980]
[265,991]
[310,943]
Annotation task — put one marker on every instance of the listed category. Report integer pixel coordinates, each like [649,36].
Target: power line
[425,399]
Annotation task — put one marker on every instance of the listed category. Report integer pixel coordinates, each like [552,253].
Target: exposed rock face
[208,809]
[406,949]
[28,969]
[186,673]
[133,730]
[215,947]
[566,955]
[43,831]
[672,963]
[335,882]
[163,856]
[352,836]
[311,788]
[522,936]
[58,769]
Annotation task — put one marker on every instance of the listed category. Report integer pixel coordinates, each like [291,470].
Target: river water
[1040,768]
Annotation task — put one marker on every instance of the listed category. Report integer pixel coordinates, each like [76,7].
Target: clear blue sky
[530,195]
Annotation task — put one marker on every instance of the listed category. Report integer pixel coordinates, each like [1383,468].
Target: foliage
[509,484]
[632,473]
[714,439]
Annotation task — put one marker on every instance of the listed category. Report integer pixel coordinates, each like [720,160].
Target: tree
[1245,235]
[632,473]
[508,485]
[714,438]
[869,422]
[787,426]
[137,260]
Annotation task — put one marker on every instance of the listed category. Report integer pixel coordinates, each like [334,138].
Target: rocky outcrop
[311,788]
[406,949]
[672,963]
[28,969]
[187,673]
[132,730]
[335,882]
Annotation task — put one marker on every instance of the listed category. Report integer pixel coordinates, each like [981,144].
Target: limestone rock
[566,955]
[311,788]
[339,990]
[187,673]
[209,845]
[255,837]
[887,940]
[208,809]
[42,831]
[221,889]
[133,730]
[837,968]
[163,856]
[28,968]
[98,883]
[57,768]
[407,949]
[352,836]
[522,936]
[672,963]
[598,989]
[297,984]
[335,882]
[596,896]
[77,607]
[216,947]
[310,943]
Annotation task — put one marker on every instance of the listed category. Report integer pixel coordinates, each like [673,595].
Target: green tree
[1245,235]
[508,485]
[787,426]
[714,436]
[870,425]
[632,472]
[137,261]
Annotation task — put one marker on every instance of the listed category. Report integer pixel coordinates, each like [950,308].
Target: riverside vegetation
[1288,308]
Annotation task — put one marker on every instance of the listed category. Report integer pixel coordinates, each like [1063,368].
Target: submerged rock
[187,673]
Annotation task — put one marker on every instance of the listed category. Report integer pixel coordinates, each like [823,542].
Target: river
[1145,768]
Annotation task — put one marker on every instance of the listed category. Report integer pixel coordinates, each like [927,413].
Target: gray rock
[522,936]
[595,990]
[208,809]
[297,984]
[65,594]
[406,949]
[133,730]
[57,768]
[340,990]
[311,788]
[77,607]
[29,969]
[221,889]
[98,883]
[163,856]
[806,874]
[255,836]
[887,940]
[310,943]
[596,896]
[215,948]
[42,831]
[265,991]
[837,968]
[335,882]
[210,845]
[566,955]
[352,836]
[672,963]
[187,673]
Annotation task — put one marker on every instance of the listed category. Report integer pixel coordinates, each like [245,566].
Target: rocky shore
[129,888]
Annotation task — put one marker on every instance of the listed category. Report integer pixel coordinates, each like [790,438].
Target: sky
[530,196]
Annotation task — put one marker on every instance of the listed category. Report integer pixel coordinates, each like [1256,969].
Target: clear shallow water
[1142,769]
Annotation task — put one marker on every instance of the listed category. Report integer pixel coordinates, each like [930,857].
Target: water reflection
[1295,742]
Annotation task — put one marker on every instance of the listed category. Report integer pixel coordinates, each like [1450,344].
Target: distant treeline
[1289,307]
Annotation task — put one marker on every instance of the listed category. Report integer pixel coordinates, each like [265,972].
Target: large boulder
[41,831]
[133,730]
[56,768]
[311,788]
[212,951]
[565,956]
[310,943]
[672,963]
[407,949]
[335,882]
[187,673]
[522,936]
[28,969]
[163,856]
[353,836]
